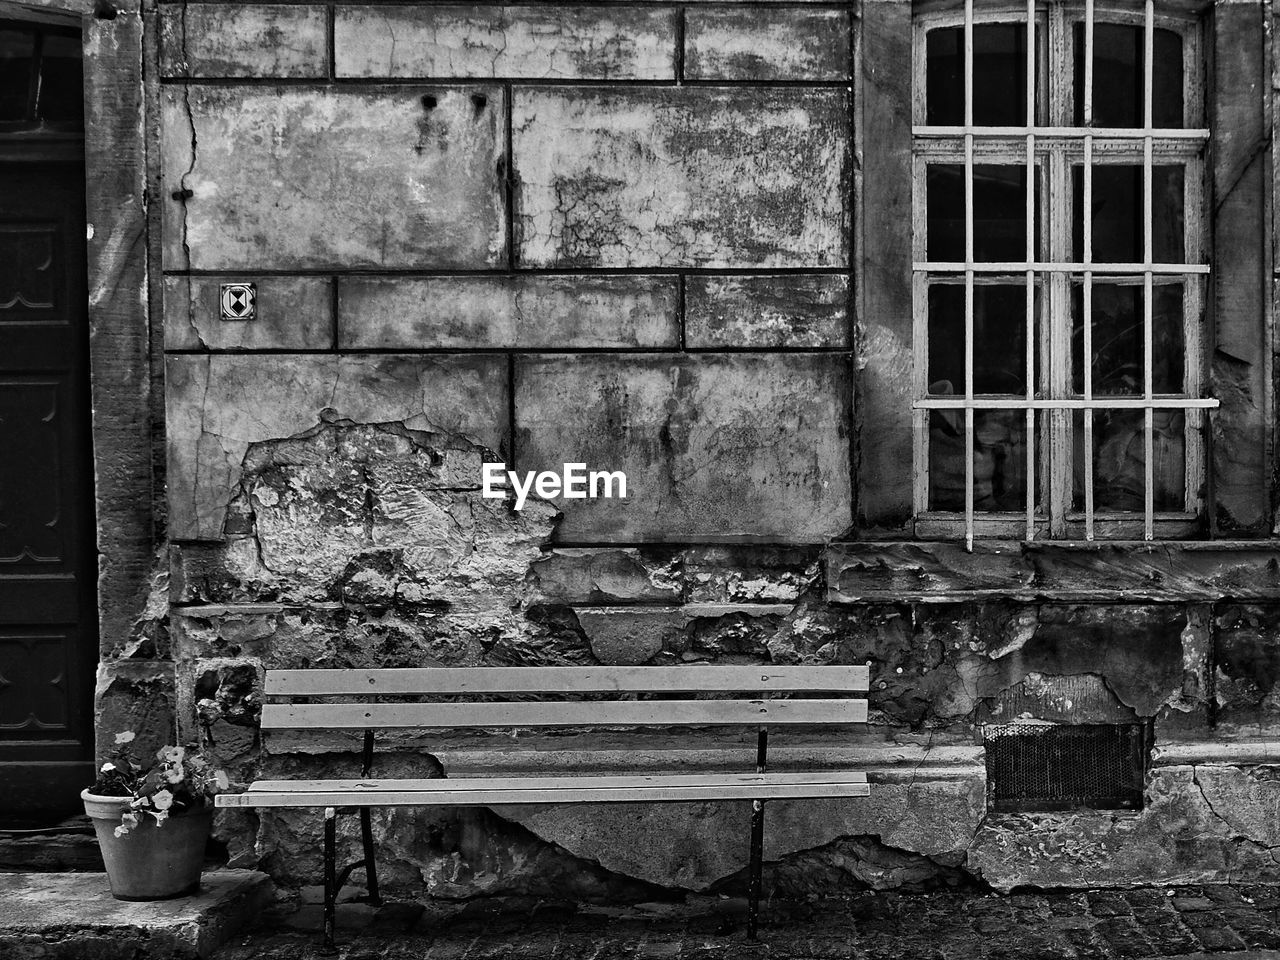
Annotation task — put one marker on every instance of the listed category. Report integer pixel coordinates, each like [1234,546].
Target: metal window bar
[1018,266]
[1087,307]
[968,275]
[1031,274]
[1148,233]
[1066,133]
[1058,270]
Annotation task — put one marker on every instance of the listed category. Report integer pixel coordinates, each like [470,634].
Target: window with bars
[1059,274]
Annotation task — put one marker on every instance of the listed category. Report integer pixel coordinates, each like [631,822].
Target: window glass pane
[999,460]
[1119,461]
[1118,342]
[999,339]
[61,80]
[1119,74]
[999,75]
[1000,212]
[15,73]
[1117,214]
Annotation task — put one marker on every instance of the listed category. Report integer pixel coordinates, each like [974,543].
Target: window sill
[1112,571]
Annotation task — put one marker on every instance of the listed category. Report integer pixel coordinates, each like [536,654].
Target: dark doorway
[48,558]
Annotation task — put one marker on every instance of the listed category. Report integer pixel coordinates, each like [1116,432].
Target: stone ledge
[1135,572]
[72,915]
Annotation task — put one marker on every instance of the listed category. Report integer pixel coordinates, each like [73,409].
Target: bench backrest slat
[624,713]
[492,680]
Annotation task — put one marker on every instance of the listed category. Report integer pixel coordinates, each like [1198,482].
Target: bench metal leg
[370,868]
[330,878]
[757,857]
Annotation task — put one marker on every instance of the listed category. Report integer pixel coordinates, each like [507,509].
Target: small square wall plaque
[239,301]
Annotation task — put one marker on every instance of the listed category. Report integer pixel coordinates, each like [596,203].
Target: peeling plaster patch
[219,405]
[683,844]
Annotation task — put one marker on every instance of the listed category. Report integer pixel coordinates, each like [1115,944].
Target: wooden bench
[394,699]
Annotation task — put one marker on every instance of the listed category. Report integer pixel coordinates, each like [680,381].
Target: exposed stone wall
[621,235]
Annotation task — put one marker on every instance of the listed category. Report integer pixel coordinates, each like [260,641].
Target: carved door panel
[48,636]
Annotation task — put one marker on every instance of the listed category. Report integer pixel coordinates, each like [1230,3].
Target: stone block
[135,695]
[521,311]
[775,312]
[713,447]
[516,42]
[295,178]
[619,635]
[750,43]
[1200,824]
[682,177]
[605,576]
[294,313]
[243,40]
[218,406]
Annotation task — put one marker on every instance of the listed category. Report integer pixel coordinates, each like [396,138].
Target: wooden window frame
[1236,455]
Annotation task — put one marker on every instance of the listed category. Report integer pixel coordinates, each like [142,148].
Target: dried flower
[124,738]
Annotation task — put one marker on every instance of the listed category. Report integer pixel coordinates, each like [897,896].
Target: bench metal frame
[350,796]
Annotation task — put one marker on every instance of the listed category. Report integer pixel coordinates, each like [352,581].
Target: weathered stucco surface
[692,176]
[504,234]
[733,43]
[529,42]
[219,405]
[294,313]
[243,40]
[714,447]
[287,178]
[769,311]
[521,311]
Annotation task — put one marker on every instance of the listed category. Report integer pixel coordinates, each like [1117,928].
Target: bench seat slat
[483,680]
[359,716]
[509,784]
[538,790]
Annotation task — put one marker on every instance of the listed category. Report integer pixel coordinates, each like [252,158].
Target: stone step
[72,916]
[69,845]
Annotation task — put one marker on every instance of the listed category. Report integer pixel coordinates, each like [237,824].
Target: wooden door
[48,618]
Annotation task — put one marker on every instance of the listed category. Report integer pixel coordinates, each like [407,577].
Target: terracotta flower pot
[152,861]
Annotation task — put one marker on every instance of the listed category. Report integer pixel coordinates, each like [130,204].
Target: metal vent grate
[1034,767]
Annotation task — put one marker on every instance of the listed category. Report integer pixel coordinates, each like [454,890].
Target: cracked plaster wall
[325,510]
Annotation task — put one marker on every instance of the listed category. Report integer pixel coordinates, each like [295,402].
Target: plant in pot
[152,819]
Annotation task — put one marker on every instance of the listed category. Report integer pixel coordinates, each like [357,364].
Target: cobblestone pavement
[1238,922]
